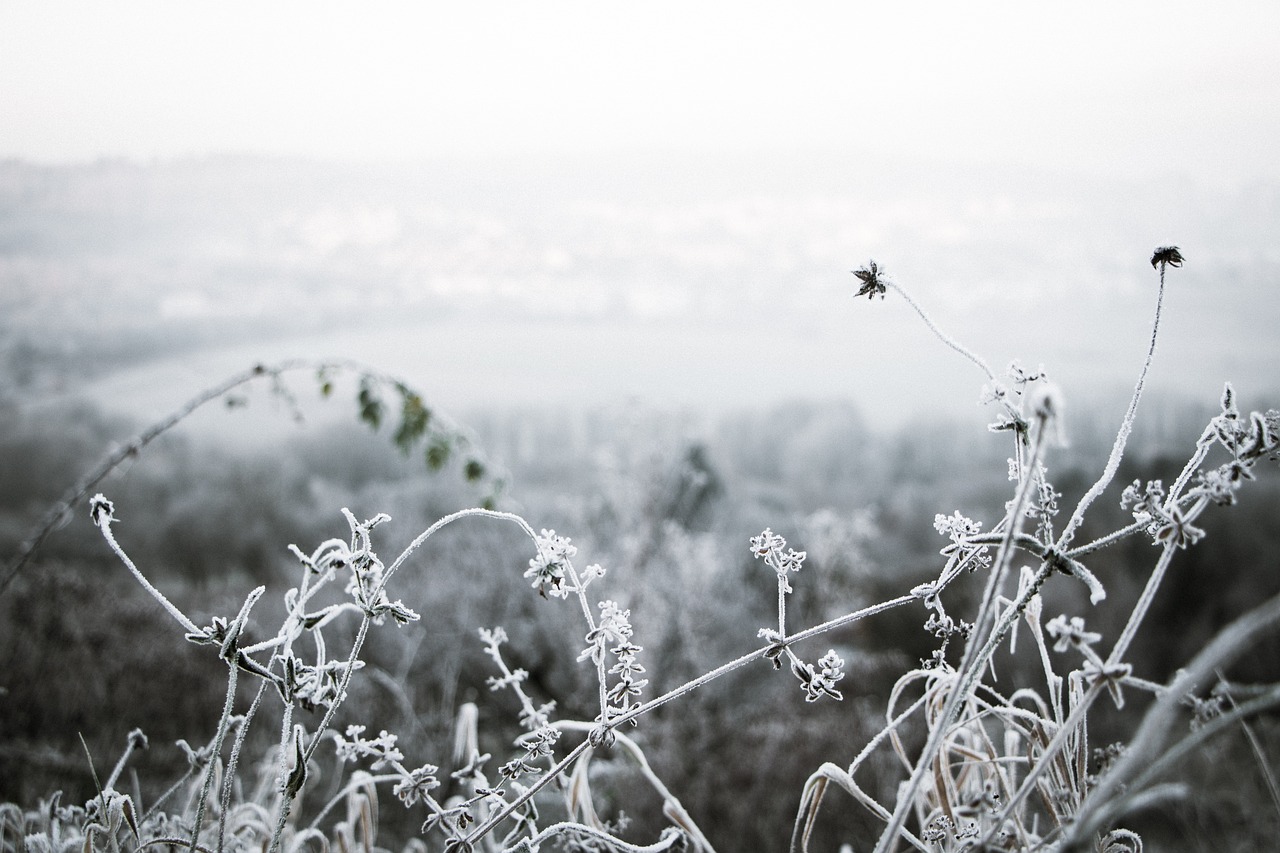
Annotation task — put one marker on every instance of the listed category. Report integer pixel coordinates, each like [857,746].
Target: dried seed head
[872,280]
[101,510]
[1166,256]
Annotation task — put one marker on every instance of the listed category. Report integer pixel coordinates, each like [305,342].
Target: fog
[577,204]
[659,281]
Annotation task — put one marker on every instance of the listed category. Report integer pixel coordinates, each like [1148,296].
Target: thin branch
[1122,437]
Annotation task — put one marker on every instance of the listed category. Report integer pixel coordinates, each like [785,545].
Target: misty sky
[1186,88]
[1010,161]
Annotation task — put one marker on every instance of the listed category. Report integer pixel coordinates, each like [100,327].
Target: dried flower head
[549,570]
[1166,256]
[871,281]
[101,510]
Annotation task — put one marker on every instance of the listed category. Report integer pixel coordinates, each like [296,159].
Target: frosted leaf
[1229,402]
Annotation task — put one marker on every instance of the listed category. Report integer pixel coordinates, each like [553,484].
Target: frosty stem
[974,659]
[1122,437]
[941,335]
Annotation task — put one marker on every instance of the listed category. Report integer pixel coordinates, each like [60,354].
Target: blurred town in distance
[678,280]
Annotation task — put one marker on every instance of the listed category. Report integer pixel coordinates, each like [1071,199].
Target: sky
[1152,87]
[1007,160]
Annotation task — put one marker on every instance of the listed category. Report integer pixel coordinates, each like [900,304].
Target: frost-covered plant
[1010,771]
[998,769]
[322,683]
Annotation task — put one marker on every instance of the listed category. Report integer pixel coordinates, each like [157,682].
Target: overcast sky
[1158,87]
[1157,122]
